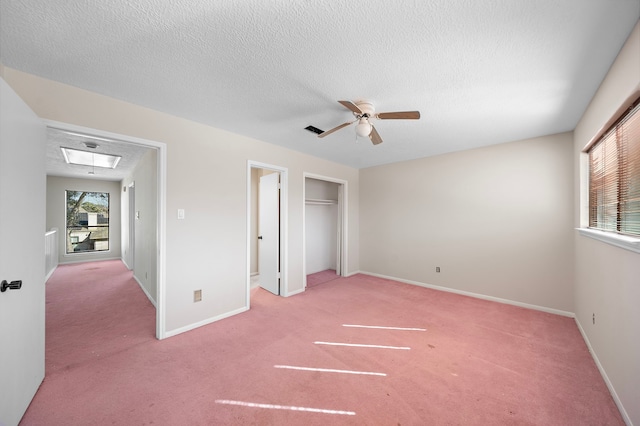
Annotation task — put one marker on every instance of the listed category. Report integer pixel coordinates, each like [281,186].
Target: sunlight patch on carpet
[284,407]
[384,327]
[358,345]
[329,370]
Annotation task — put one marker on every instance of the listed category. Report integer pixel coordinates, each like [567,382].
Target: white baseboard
[293,293]
[204,322]
[86,260]
[476,295]
[46,278]
[144,290]
[603,373]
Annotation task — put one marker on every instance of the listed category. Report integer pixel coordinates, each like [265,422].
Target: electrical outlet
[594,318]
[197,295]
[437,269]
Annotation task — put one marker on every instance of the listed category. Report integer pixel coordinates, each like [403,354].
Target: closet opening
[325,228]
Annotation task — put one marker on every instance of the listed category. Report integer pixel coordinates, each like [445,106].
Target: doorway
[325,228]
[160,184]
[266,229]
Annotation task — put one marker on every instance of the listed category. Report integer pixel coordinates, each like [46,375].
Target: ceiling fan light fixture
[363,111]
[363,128]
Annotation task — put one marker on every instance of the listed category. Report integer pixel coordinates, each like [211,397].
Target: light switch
[180,213]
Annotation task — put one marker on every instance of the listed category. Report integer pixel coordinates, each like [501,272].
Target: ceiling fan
[364,112]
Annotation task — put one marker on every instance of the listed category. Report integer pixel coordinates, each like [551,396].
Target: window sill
[622,241]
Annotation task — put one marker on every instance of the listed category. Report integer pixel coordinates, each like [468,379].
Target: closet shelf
[320,202]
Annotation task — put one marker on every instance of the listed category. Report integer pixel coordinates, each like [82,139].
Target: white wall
[496,220]
[56,215]
[317,189]
[321,226]
[207,177]
[145,178]
[608,277]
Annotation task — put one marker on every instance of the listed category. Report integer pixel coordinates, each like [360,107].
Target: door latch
[13,285]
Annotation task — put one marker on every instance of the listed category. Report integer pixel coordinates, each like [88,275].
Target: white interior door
[22,254]
[269,233]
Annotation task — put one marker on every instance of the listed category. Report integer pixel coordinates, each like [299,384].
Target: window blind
[614,176]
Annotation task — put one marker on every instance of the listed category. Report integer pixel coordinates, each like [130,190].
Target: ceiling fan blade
[335,129]
[399,115]
[375,136]
[351,106]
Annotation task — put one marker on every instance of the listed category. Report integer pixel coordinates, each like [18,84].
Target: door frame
[132,226]
[284,221]
[343,222]
[161,235]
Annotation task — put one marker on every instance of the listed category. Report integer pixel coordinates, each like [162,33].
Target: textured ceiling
[56,165]
[480,72]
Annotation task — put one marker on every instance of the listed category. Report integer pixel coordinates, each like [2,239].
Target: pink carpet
[321,277]
[455,360]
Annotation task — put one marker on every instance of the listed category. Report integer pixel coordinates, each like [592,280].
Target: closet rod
[320,202]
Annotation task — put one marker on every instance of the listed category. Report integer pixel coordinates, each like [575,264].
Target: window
[87,221]
[614,176]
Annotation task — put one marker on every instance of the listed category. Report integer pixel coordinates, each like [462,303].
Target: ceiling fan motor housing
[367,109]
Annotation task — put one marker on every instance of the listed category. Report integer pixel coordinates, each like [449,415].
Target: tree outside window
[87,221]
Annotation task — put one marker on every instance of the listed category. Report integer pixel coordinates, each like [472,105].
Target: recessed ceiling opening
[88,158]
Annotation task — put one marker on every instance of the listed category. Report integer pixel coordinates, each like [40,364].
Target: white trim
[603,373]
[284,227]
[477,295]
[161,237]
[46,278]
[622,241]
[204,322]
[344,259]
[583,190]
[144,290]
[162,219]
[293,293]
[71,262]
